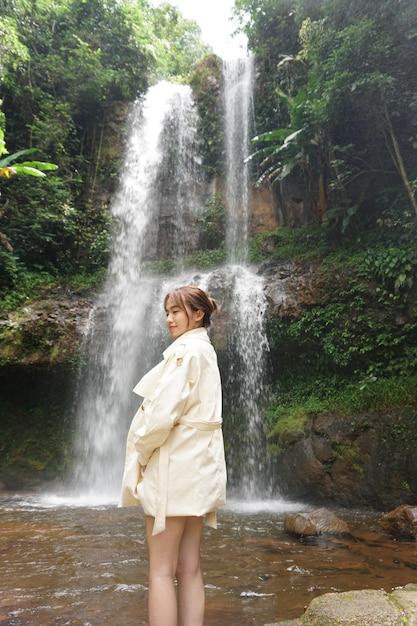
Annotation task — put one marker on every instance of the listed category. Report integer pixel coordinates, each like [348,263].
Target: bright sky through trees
[214,19]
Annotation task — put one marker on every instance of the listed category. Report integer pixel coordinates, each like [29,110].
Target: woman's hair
[194,299]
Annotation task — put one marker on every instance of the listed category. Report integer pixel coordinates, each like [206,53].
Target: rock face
[318,522]
[288,286]
[261,209]
[48,330]
[401,523]
[355,460]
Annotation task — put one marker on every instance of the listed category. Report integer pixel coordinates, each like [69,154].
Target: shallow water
[65,563]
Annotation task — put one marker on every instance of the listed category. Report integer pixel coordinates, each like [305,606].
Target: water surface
[70,563]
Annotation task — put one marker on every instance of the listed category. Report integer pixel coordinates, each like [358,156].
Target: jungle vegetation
[66,66]
[335,110]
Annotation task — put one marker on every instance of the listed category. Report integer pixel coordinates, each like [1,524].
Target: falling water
[238,89]
[153,211]
[248,469]
[248,474]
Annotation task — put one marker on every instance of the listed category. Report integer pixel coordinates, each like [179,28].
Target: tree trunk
[399,163]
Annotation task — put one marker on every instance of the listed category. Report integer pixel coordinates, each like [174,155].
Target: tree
[303,145]
[272,34]
[179,46]
[10,166]
[67,68]
[353,61]
[359,72]
[12,52]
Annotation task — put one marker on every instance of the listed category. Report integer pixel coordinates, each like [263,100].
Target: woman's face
[178,321]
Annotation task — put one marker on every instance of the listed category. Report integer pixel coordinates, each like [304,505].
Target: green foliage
[206,81]
[212,223]
[272,33]
[202,260]
[357,343]
[10,165]
[290,407]
[395,267]
[65,68]
[373,394]
[308,244]
[341,130]
[208,259]
[348,331]
[284,422]
[88,281]
[9,269]
[91,239]
[40,231]
[178,42]
[165,266]
[13,54]
[26,286]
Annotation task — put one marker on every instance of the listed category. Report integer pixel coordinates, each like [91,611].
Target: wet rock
[318,522]
[322,449]
[354,461]
[299,524]
[367,607]
[292,622]
[49,329]
[406,597]
[262,215]
[288,286]
[401,523]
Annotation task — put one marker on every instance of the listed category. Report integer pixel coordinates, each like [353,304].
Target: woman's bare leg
[189,577]
[163,550]
[175,553]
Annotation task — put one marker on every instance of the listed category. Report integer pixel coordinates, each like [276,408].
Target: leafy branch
[9,166]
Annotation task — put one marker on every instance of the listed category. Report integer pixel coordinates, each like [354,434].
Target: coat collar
[190,335]
[147,384]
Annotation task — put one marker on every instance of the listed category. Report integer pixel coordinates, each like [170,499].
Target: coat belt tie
[163,467]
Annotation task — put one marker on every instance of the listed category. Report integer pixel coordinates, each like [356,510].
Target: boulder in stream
[401,523]
[364,607]
[318,522]
[367,607]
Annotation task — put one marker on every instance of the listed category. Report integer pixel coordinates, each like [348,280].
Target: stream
[73,563]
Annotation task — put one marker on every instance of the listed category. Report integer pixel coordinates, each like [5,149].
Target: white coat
[175,463]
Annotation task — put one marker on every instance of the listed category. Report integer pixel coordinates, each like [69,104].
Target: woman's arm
[167,406]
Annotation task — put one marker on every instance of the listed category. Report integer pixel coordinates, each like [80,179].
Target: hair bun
[196,299]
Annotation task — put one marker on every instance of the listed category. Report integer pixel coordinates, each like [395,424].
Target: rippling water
[72,563]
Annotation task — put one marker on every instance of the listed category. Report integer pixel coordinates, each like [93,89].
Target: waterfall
[155,211]
[245,387]
[238,89]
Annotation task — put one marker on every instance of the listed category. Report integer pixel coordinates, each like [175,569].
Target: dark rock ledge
[48,330]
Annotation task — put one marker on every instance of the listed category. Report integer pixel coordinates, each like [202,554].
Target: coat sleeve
[168,403]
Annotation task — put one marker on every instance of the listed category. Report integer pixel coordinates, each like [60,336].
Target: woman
[175,466]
